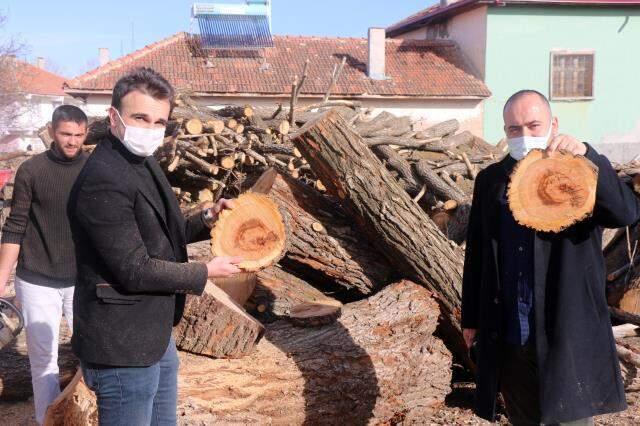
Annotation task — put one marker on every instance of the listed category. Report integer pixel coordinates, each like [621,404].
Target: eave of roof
[436,12]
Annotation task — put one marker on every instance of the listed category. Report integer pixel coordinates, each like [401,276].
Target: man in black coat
[133,274]
[534,302]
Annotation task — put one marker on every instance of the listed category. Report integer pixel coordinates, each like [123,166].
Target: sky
[68,33]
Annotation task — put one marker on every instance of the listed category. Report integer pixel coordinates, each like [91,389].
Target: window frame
[562,52]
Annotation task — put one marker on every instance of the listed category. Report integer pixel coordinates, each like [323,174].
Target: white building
[38,92]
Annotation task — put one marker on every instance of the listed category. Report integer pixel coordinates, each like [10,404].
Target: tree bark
[401,230]
[378,364]
[216,326]
[337,252]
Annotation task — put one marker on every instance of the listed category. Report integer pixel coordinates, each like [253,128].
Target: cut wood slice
[254,230]
[551,191]
[314,314]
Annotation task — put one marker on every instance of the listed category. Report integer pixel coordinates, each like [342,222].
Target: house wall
[467,111]
[519,42]
[468,29]
[35,111]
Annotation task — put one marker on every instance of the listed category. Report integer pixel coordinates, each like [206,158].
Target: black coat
[130,240]
[578,365]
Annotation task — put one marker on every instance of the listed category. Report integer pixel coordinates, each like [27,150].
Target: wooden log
[278,291]
[377,363]
[386,214]
[239,287]
[436,185]
[216,326]
[395,162]
[193,126]
[214,126]
[75,406]
[254,230]
[439,130]
[339,254]
[551,191]
[315,314]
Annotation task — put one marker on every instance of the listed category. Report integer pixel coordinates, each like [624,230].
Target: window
[572,75]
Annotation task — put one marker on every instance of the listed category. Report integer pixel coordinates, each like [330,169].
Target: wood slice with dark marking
[551,191]
[254,230]
[216,326]
[315,314]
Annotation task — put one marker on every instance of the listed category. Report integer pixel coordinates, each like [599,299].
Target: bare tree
[12,98]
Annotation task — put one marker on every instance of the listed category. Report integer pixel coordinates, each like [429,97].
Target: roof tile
[414,68]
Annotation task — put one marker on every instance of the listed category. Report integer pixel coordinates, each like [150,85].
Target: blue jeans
[136,396]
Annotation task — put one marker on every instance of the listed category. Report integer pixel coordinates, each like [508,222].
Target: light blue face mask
[140,141]
[520,146]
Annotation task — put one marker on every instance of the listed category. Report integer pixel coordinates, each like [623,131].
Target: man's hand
[567,143]
[223,266]
[469,334]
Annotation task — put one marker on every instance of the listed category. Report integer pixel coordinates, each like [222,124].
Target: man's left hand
[567,143]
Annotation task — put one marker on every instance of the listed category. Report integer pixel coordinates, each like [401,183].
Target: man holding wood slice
[132,260]
[534,311]
[37,237]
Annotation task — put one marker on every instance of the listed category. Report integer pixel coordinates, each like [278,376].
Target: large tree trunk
[216,326]
[380,363]
[386,214]
[322,240]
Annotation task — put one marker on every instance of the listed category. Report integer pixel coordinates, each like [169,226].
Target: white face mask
[139,141]
[520,146]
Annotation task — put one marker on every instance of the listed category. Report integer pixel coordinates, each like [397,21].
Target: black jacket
[131,257]
[578,365]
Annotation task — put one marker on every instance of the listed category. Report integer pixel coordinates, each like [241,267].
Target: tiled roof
[34,80]
[415,68]
[438,11]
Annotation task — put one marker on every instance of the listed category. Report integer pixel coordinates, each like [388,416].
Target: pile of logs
[359,322]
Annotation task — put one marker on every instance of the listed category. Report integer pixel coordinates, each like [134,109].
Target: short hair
[145,80]
[68,113]
[521,93]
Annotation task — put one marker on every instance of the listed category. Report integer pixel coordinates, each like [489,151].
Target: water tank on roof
[234,26]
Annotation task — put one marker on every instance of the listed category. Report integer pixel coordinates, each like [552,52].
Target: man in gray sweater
[37,236]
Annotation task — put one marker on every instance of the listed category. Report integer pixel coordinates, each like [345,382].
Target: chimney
[40,62]
[103,55]
[377,57]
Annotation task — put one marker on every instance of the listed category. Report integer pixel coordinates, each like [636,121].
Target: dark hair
[521,93]
[68,113]
[145,80]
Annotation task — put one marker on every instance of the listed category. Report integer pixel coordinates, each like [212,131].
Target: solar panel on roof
[235,32]
[234,26]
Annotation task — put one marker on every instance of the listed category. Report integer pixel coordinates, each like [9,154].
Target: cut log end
[551,191]
[315,314]
[254,230]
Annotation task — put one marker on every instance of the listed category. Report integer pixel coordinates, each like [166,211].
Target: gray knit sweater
[38,219]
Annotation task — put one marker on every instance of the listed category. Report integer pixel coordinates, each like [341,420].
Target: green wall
[519,42]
